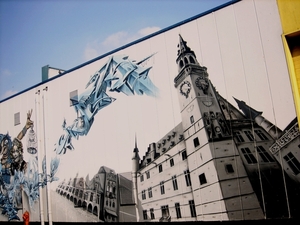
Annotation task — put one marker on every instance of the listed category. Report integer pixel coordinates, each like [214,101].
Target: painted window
[148,174]
[143,194]
[162,187]
[152,214]
[192,60]
[202,179]
[187,178]
[145,214]
[165,211]
[160,168]
[248,156]
[150,192]
[266,157]
[238,136]
[192,119]
[178,212]
[171,162]
[229,168]
[192,208]
[261,135]
[293,163]
[249,135]
[184,155]
[174,181]
[142,177]
[196,142]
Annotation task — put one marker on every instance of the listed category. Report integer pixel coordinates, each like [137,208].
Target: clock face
[202,83]
[185,88]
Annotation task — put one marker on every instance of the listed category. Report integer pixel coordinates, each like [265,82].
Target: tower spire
[187,62]
[249,112]
[135,155]
[252,114]
[183,48]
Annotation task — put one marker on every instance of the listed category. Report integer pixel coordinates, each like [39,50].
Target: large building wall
[241,46]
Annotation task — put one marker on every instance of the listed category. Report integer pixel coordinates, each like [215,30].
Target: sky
[64,34]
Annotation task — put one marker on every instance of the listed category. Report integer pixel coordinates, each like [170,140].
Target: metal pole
[40,144]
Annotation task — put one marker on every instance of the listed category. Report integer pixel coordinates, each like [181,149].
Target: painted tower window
[148,174]
[171,162]
[264,154]
[181,64]
[187,178]
[160,168]
[178,212]
[293,163]
[192,119]
[202,178]
[17,119]
[142,177]
[162,187]
[238,136]
[143,194]
[249,135]
[229,168]
[261,135]
[184,155]
[152,214]
[92,197]
[185,60]
[73,97]
[196,142]
[150,192]
[192,60]
[145,214]
[174,181]
[248,156]
[192,208]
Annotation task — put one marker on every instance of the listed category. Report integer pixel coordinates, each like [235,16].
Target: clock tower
[219,179]
[197,96]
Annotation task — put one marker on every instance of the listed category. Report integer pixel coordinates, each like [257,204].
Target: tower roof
[135,150]
[183,48]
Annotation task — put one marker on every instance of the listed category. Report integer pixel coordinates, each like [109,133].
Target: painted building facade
[217,164]
[107,195]
[225,132]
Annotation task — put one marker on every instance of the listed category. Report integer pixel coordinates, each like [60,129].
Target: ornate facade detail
[285,139]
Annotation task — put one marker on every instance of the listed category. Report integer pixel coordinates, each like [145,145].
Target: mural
[119,74]
[16,175]
[175,145]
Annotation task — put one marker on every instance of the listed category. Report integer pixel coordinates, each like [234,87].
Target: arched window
[180,64]
[186,61]
[192,60]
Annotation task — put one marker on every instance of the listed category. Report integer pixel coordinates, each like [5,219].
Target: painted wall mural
[119,74]
[202,128]
[16,175]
